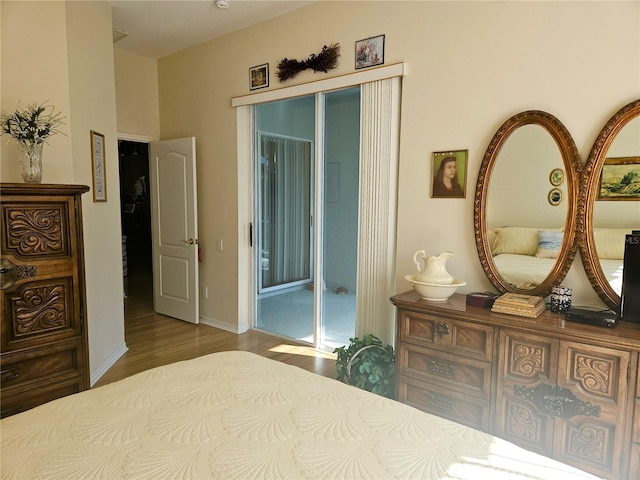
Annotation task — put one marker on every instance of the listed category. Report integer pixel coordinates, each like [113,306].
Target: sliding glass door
[306,204]
[340,216]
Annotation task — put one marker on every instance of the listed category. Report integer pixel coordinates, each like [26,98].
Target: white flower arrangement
[32,125]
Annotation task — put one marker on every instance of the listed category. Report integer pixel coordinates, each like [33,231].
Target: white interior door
[172,168]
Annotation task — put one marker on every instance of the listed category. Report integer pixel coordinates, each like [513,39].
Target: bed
[239,415]
[525,256]
[523,271]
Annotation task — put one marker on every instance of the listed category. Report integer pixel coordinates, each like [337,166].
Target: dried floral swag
[326,60]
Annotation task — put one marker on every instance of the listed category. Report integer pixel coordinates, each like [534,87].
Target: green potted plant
[368,364]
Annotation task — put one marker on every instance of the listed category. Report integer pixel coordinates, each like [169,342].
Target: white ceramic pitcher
[434,268]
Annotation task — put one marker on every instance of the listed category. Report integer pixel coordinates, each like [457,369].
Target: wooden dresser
[566,390]
[44,348]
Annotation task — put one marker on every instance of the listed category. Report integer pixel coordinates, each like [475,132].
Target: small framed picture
[555,197]
[556,177]
[449,174]
[259,76]
[370,52]
[98,166]
[620,179]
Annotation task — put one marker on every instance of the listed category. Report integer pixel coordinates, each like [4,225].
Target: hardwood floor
[156,340]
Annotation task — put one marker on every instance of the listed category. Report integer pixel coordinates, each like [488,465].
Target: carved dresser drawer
[444,367]
[444,402]
[463,374]
[12,404]
[43,336]
[461,338]
[30,369]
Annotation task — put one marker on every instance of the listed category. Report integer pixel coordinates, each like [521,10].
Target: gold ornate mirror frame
[572,167]
[591,172]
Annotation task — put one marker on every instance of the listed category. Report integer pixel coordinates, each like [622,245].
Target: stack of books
[517,304]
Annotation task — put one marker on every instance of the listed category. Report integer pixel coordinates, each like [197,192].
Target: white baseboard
[238,329]
[108,363]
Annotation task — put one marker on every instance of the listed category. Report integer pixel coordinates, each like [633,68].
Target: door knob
[11,273]
[191,241]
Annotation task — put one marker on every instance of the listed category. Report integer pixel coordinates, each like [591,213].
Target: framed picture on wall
[449,174]
[370,52]
[620,179]
[259,76]
[98,166]
[556,177]
[555,197]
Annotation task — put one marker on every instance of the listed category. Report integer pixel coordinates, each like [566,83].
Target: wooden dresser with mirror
[45,353]
[564,389]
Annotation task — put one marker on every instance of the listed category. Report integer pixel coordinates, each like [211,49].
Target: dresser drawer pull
[442,329]
[440,403]
[10,273]
[9,374]
[440,368]
[556,401]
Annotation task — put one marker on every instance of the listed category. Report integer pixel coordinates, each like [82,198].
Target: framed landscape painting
[620,179]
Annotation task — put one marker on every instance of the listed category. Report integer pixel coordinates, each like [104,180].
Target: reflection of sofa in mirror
[524,256]
[609,243]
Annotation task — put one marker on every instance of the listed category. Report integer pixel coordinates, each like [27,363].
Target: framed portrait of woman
[449,174]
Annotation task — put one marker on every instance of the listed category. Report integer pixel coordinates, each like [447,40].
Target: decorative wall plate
[556,177]
[555,197]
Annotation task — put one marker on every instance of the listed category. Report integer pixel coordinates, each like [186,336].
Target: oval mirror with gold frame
[610,212]
[525,242]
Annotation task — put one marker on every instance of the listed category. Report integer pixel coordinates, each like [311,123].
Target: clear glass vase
[30,161]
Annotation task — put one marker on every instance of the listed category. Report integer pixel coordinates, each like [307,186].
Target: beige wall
[471,65]
[93,107]
[65,55]
[137,95]
[35,69]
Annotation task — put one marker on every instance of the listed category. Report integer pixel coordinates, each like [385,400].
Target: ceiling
[157,28]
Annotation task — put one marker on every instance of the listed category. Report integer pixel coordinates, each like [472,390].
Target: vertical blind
[285,166]
[379,131]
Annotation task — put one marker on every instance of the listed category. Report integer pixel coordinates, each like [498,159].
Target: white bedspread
[238,415]
[523,271]
[528,271]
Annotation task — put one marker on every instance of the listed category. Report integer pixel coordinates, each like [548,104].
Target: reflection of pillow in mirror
[491,236]
[549,243]
[610,242]
[516,240]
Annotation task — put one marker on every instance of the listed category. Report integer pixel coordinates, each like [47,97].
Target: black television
[630,297]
